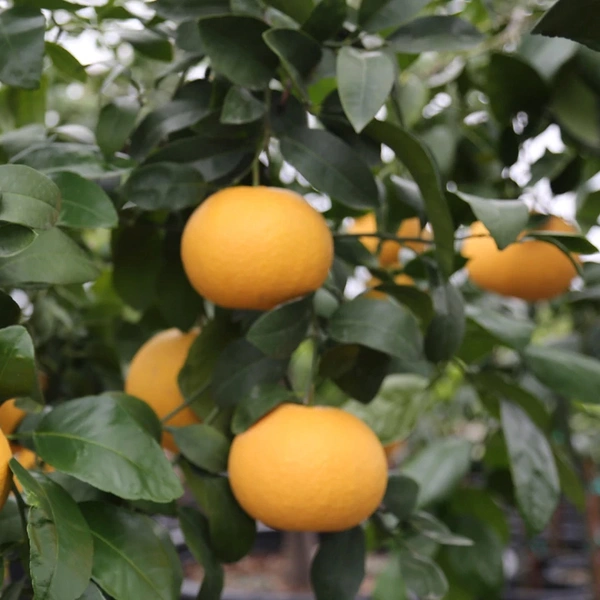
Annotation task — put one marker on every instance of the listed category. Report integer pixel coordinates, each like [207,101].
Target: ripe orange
[256,247]
[531,270]
[308,468]
[388,255]
[10,418]
[152,377]
[400,279]
[5,472]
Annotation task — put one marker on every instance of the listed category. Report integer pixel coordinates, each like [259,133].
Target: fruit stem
[256,171]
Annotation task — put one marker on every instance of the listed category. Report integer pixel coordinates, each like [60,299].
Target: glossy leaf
[574,375]
[28,197]
[140,412]
[330,166]
[17,362]
[130,559]
[237,50]
[418,160]
[61,546]
[401,496]
[426,524]
[390,583]
[532,465]
[195,528]
[365,79]
[422,576]
[504,219]
[9,310]
[188,9]
[204,446]
[53,258]
[98,441]
[378,15]
[14,239]
[439,468]
[232,531]
[569,241]
[65,62]
[149,43]
[278,332]
[84,204]
[239,368]
[22,32]
[165,186]
[435,34]
[240,107]
[514,332]
[378,324]
[338,568]
[326,19]
[446,331]
[115,124]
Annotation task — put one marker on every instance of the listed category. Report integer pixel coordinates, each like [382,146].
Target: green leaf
[378,324]
[239,368]
[11,529]
[513,86]
[418,160]
[298,52]
[261,400]
[546,55]
[137,253]
[504,219]
[165,186]
[61,546]
[277,333]
[395,410]
[532,465]
[435,34]
[240,107]
[10,312]
[195,528]
[65,62]
[169,118]
[188,9]
[197,372]
[204,446]
[573,20]
[378,15]
[439,468]
[446,331]
[28,197]
[130,559]
[338,568]
[509,330]
[326,19]
[237,50]
[98,441]
[330,166]
[299,10]
[432,528]
[232,531]
[85,204]
[390,582]
[17,362]
[149,43]
[92,593]
[115,124]
[571,241]
[365,80]
[422,576]
[575,376]
[22,32]
[14,238]
[53,258]
[401,496]
[140,412]
[571,483]
[479,567]
[416,300]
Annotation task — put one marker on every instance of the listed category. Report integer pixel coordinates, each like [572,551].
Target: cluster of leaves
[286,93]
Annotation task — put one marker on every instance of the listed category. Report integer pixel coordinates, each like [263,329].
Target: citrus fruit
[256,247]
[400,279]
[531,270]
[5,473]
[10,418]
[388,254]
[152,377]
[308,468]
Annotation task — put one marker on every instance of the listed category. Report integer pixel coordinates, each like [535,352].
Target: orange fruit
[388,254]
[400,279]
[5,472]
[532,270]
[152,377]
[256,247]
[10,418]
[308,468]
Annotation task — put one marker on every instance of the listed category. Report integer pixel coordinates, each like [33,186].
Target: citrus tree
[280,239]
